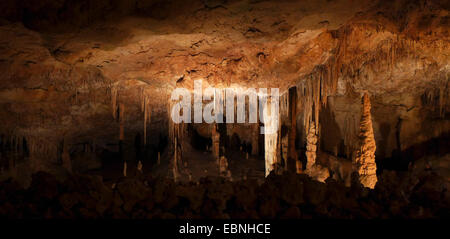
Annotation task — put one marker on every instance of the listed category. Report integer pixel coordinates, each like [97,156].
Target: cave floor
[197,163]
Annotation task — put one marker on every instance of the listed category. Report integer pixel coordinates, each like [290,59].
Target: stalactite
[215,142]
[365,156]
[145,121]
[41,150]
[114,101]
[175,171]
[121,121]
[145,108]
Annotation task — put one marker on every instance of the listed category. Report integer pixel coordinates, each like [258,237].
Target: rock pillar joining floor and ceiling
[292,153]
[271,131]
[316,171]
[365,156]
[311,147]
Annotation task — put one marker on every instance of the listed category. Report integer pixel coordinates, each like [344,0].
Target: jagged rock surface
[365,156]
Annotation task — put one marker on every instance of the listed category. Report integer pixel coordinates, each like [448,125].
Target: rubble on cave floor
[396,195]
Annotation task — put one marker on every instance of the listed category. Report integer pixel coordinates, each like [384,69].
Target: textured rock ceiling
[61,61]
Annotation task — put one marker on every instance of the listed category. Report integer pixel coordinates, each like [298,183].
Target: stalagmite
[223,166]
[314,170]
[121,132]
[124,168]
[284,150]
[145,122]
[175,162]
[215,142]
[311,147]
[139,166]
[114,101]
[178,149]
[365,156]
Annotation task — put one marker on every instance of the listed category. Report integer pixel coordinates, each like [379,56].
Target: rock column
[365,155]
[311,147]
[65,158]
[215,142]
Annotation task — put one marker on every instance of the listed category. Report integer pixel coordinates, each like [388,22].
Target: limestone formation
[255,139]
[223,165]
[124,171]
[121,121]
[298,166]
[311,147]
[270,136]
[216,143]
[365,155]
[284,150]
[139,166]
[316,171]
[81,72]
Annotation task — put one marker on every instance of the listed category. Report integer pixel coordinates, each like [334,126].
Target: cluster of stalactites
[176,135]
[358,64]
[350,132]
[312,93]
[439,96]
[365,155]
[145,108]
[40,150]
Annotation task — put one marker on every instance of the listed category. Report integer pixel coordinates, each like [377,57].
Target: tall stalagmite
[311,146]
[270,136]
[216,143]
[365,156]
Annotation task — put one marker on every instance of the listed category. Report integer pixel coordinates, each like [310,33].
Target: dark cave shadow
[400,160]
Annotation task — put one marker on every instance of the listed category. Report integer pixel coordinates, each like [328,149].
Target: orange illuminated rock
[365,156]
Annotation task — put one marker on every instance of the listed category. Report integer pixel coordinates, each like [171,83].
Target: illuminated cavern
[86,109]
